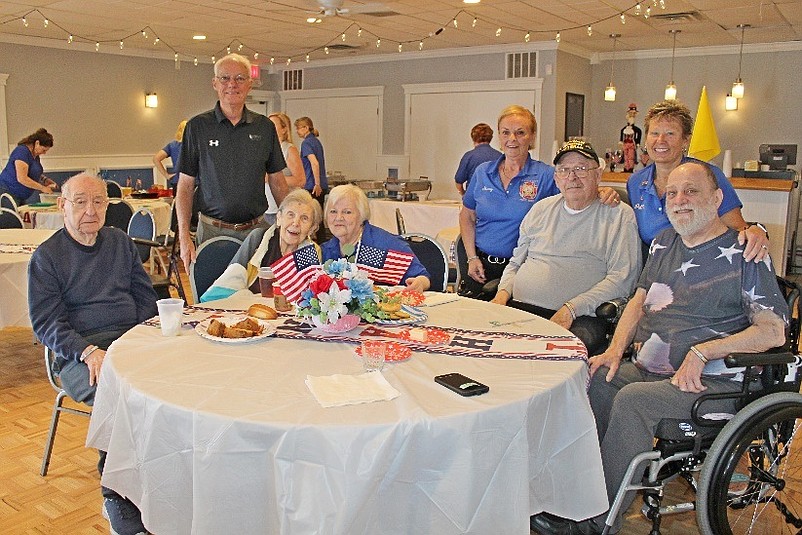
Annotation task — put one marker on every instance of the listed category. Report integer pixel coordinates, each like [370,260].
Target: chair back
[213,257]
[433,258]
[8,202]
[113,190]
[399,221]
[142,225]
[118,214]
[10,219]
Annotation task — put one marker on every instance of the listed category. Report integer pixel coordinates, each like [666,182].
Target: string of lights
[464,17]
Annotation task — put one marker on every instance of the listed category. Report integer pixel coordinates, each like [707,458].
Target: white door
[350,130]
[440,122]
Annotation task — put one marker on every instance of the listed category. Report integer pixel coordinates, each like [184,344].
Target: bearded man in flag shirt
[668,128]
[387,258]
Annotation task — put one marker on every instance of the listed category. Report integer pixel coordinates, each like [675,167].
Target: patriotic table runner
[448,340]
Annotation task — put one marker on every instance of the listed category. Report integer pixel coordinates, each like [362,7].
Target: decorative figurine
[631,138]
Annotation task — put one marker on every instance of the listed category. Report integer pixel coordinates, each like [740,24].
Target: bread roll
[262,312]
[216,328]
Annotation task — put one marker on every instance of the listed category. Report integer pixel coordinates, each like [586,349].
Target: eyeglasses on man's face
[227,78]
[580,171]
[99,203]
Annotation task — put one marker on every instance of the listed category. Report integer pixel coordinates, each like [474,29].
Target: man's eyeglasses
[238,79]
[580,171]
[83,204]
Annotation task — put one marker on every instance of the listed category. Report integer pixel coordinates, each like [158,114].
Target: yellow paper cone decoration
[704,140]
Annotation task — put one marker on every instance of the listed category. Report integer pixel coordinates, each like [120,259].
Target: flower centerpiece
[339,295]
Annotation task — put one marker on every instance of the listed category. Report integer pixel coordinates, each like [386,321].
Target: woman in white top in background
[294,172]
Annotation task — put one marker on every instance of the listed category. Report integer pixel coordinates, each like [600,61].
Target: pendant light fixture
[609,92]
[738,86]
[730,103]
[671,89]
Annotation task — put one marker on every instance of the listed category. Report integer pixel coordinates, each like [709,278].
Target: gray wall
[768,113]
[574,75]
[95,103]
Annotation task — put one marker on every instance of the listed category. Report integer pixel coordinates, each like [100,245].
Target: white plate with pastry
[235,329]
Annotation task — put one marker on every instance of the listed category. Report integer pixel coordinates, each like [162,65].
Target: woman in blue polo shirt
[668,133]
[23,176]
[499,195]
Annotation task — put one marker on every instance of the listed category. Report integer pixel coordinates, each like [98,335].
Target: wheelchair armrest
[491,287]
[742,360]
[611,310]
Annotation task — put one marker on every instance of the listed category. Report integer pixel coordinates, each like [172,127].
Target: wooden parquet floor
[68,500]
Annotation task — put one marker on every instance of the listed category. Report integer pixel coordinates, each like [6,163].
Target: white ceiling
[279,28]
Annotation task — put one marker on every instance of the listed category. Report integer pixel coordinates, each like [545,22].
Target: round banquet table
[209,437]
[14,273]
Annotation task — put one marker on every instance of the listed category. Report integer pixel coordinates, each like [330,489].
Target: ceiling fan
[333,8]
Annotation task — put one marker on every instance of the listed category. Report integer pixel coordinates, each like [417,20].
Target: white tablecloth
[226,438]
[14,274]
[426,217]
[50,218]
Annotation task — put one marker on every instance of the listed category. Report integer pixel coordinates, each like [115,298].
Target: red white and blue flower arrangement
[339,295]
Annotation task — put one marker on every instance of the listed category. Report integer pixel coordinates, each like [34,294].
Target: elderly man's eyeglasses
[83,204]
[580,171]
[238,79]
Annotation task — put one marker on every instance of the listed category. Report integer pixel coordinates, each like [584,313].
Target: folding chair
[10,219]
[433,258]
[58,408]
[118,214]
[8,202]
[113,190]
[213,257]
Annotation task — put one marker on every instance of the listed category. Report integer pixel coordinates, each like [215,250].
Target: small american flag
[386,267]
[294,270]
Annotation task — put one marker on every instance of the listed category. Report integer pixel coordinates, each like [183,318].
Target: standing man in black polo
[233,152]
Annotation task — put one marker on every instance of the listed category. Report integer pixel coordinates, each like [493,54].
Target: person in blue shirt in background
[23,176]
[482,152]
[173,151]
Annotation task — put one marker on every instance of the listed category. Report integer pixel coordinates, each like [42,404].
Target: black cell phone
[464,386]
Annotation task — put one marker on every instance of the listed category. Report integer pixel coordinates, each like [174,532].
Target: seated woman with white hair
[298,219]
[387,258]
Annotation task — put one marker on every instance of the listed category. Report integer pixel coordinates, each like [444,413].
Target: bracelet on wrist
[88,351]
[474,257]
[699,354]
[570,308]
[750,224]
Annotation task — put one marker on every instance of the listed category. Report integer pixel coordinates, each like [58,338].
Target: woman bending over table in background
[23,176]
[299,216]
[668,133]
[347,213]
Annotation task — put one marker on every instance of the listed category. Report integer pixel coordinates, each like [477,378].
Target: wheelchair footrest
[675,435]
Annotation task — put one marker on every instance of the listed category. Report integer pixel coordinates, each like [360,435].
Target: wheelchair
[751,469]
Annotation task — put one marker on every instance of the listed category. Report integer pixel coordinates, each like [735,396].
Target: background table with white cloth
[49,217]
[209,437]
[426,217]
[16,248]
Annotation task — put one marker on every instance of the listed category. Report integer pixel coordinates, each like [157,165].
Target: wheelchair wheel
[751,481]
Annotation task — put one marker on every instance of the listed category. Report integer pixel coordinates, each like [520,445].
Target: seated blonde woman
[372,248]
[298,219]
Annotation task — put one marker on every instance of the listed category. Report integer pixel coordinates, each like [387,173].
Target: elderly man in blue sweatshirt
[86,287]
